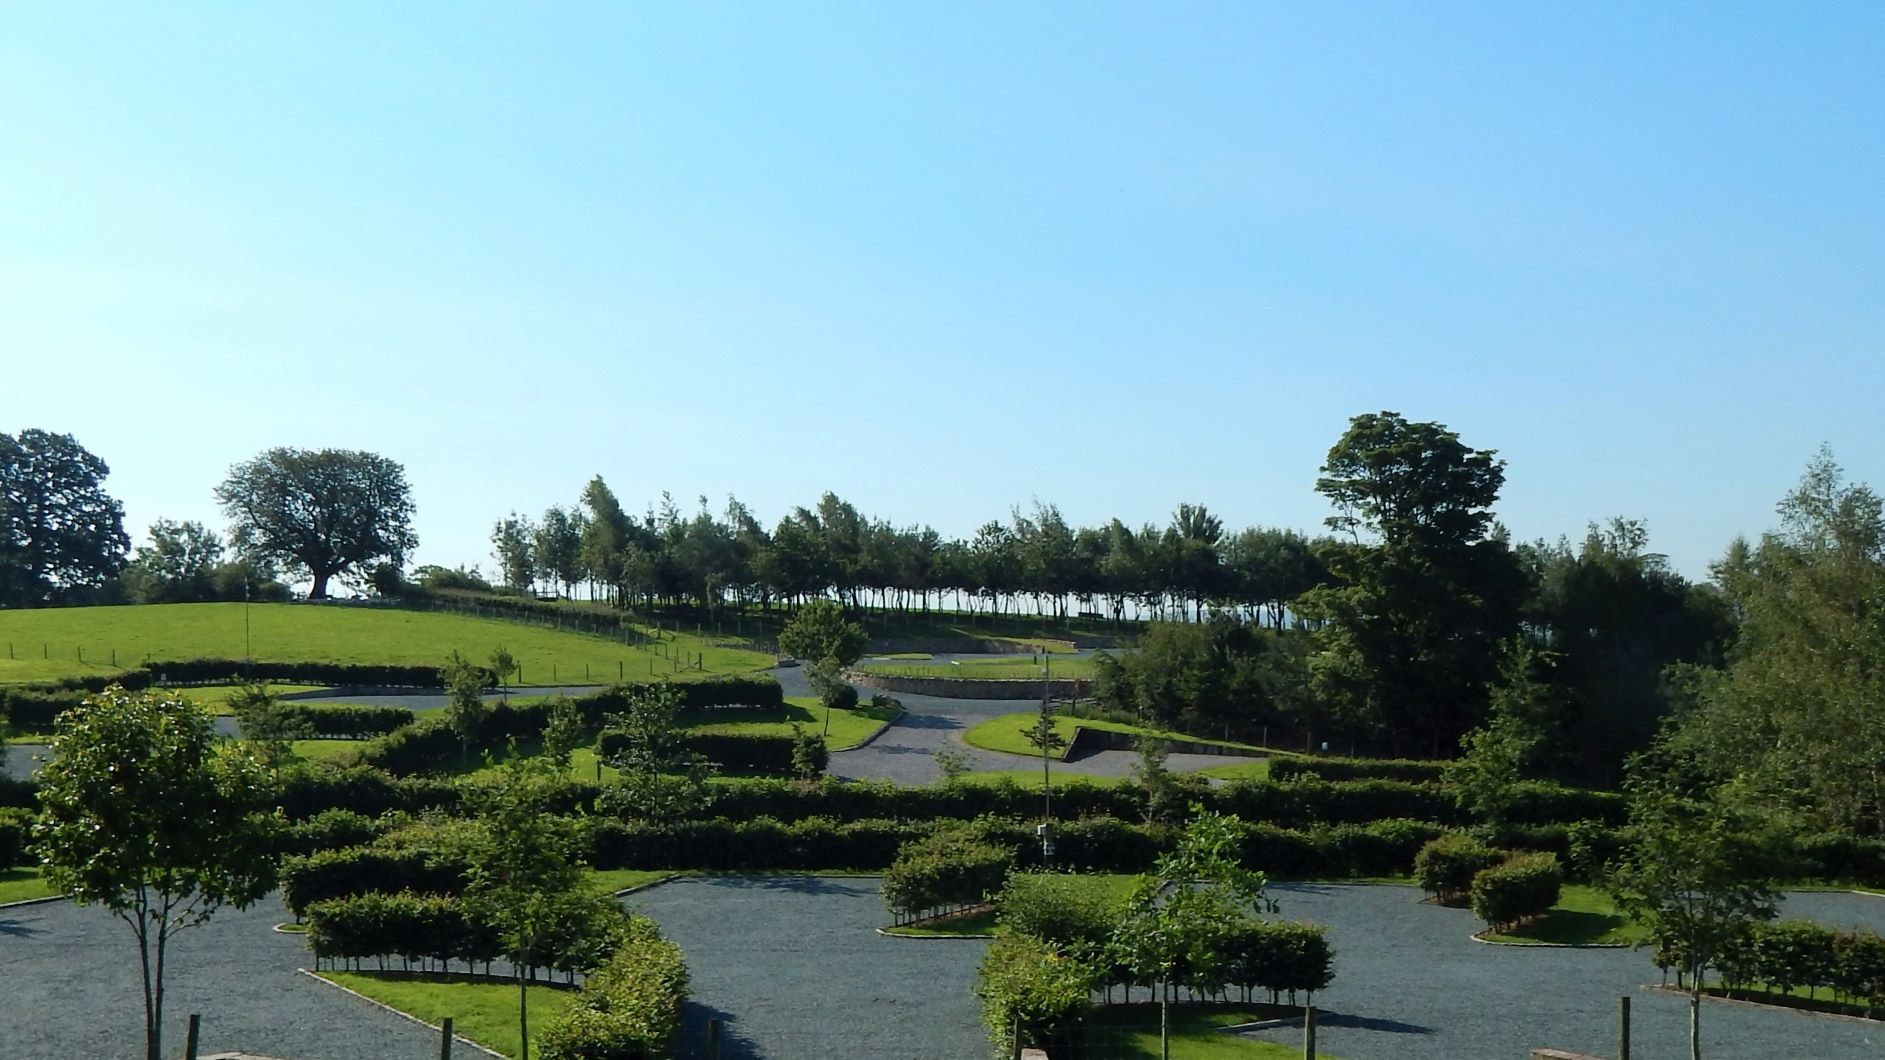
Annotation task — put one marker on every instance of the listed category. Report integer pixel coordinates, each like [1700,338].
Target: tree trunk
[523,1015]
[1695,1020]
[153,1032]
[319,591]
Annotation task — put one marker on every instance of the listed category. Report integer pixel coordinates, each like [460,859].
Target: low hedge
[948,868]
[753,752]
[1030,986]
[1409,770]
[16,831]
[332,830]
[345,721]
[23,794]
[1280,957]
[1312,800]
[1790,955]
[350,871]
[1447,865]
[630,1009]
[412,926]
[310,791]
[1519,889]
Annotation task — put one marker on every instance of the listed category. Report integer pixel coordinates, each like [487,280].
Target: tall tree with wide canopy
[322,513]
[59,529]
[1425,593]
[178,566]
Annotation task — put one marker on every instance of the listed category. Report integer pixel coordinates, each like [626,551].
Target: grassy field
[49,643]
[1131,1031]
[993,668]
[1005,733]
[483,1010]
[21,884]
[1584,916]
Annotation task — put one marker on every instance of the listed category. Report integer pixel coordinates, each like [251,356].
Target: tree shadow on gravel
[1367,1023]
[695,1036]
[15,929]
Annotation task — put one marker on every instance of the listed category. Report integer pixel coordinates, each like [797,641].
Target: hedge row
[433,927]
[347,872]
[345,721]
[332,830]
[306,793]
[630,1009]
[755,752]
[1413,770]
[1791,955]
[1519,889]
[23,794]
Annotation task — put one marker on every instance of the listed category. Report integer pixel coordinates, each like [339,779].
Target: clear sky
[947,259]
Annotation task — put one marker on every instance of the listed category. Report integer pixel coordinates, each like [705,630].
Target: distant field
[76,641]
[995,667]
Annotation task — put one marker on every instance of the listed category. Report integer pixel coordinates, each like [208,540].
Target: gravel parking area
[73,990]
[1411,985]
[795,967]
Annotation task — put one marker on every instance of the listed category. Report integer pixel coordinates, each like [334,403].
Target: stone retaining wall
[1088,740]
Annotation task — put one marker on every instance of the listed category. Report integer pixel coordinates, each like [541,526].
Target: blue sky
[949,259]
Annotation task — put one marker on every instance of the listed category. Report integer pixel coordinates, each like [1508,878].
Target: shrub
[1278,956]
[1027,984]
[1417,771]
[309,791]
[628,1010]
[23,794]
[1075,913]
[1446,866]
[839,695]
[16,831]
[953,867]
[412,926]
[345,721]
[1523,887]
[331,829]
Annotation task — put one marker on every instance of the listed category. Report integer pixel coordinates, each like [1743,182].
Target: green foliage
[1077,914]
[566,731]
[1166,793]
[819,633]
[809,754]
[1028,985]
[343,872]
[1793,721]
[176,567]
[952,763]
[1484,780]
[413,926]
[949,867]
[1407,770]
[320,512]
[1199,675]
[60,532]
[1179,919]
[1446,866]
[630,1009]
[16,830]
[465,710]
[142,813]
[1409,630]
[1516,890]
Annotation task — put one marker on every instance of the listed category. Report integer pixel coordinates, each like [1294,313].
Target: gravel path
[1411,985]
[795,967]
[73,990]
[906,751]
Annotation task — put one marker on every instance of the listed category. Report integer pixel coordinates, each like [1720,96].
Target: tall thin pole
[1047,785]
[248,646]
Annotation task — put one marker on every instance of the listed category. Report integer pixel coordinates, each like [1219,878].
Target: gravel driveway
[73,990]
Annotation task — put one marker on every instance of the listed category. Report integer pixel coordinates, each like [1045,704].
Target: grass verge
[1005,733]
[958,925]
[1132,1031]
[23,884]
[483,1010]
[1584,916]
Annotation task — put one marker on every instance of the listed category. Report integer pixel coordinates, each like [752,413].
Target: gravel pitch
[795,967]
[73,990]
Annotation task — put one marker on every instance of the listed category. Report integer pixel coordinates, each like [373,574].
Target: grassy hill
[37,645]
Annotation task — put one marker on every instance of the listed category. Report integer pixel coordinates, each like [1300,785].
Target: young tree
[527,870]
[1496,756]
[558,546]
[820,632]
[322,513]
[809,754]
[466,709]
[143,813]
[266,725]
[59,529]
[1697,874]
[1165,791]
[660,777]
[1047,740]
[564,732]
[503,665]
[514,546]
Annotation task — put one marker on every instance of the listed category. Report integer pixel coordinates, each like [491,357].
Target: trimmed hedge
[630,1009]
[345,721]
[331,830]
[413,926]
[1278,956]
[1523,887]
[308,792]
[1796,954]
[1408,770]
[744,751]
[1314,801]
[1446,866]
[951,867]
[351,871]
[1029,985]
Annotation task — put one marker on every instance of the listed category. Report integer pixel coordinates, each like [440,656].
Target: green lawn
[1584,916]
[848,727]
[22,884]
[1132,1031]
[1798,997]
[1031,778]
[325,750]
[995,667]
[610,881]
[482,1010]
[216,697]
[1005,733]
[1248,769]
[48,642]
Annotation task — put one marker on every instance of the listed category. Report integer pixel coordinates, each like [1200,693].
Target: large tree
[59,529]
[320,512]
[145,813]
[178,566]
[1797,720]
[1425,593]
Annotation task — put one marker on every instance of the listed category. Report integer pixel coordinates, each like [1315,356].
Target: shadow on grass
[1571,927]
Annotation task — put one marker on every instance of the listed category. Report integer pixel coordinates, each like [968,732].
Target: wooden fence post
[190,1039]
[445,1039]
